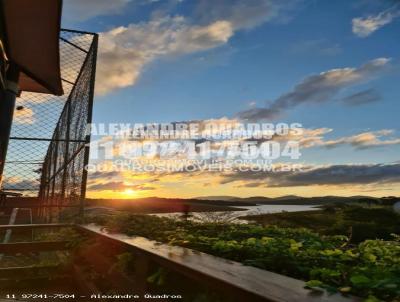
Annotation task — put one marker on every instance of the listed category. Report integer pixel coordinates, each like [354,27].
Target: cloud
[18,183]
[125,51]
[119,186]
[363,27]
[364,140]
[80,10]
[309,138]
[142,188]
[279,177]
[363,97]
[342,175]
[316,138]
[319,175]
[103,175]
[318,88]
[26,116]
[112,185]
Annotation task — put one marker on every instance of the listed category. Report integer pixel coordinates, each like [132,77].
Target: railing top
[78,31]
[34,226]
[7,193]
[264,284]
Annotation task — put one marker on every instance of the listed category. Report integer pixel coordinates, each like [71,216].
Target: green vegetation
[357,222]
[362,265]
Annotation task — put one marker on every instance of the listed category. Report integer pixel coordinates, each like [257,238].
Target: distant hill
[250,199]
[287,197]
[299,200]
[167,205]
[216,198]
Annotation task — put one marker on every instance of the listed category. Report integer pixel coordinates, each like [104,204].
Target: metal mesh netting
[47,152]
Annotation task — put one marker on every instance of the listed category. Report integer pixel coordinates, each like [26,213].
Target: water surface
[232,216]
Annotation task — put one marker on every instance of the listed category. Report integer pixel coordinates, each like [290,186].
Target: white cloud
[316,138]
[363,27]
[309,138]
[124,51]
[365,140]
[24,116]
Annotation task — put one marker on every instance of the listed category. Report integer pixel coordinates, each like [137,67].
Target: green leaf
[314,283]
[346,289]
[360,280]
[370,257]
[372,299]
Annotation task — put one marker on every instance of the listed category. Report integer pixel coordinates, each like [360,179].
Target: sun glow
[129,192]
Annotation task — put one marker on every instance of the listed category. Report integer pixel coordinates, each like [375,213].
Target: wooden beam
[35,226]
[37,206]
[29,247]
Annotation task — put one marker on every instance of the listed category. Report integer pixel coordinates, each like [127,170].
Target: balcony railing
[104,263]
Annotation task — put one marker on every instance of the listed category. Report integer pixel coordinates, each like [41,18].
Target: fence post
[53,184]
[93,53]
[66,156]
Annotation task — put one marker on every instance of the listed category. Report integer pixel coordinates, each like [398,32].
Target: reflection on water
[232,216]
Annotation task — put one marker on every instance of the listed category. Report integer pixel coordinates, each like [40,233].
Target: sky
[332,66]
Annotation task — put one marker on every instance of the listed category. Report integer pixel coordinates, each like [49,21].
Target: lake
[232,216]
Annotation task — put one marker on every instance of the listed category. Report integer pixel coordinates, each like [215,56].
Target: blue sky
[182,60]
